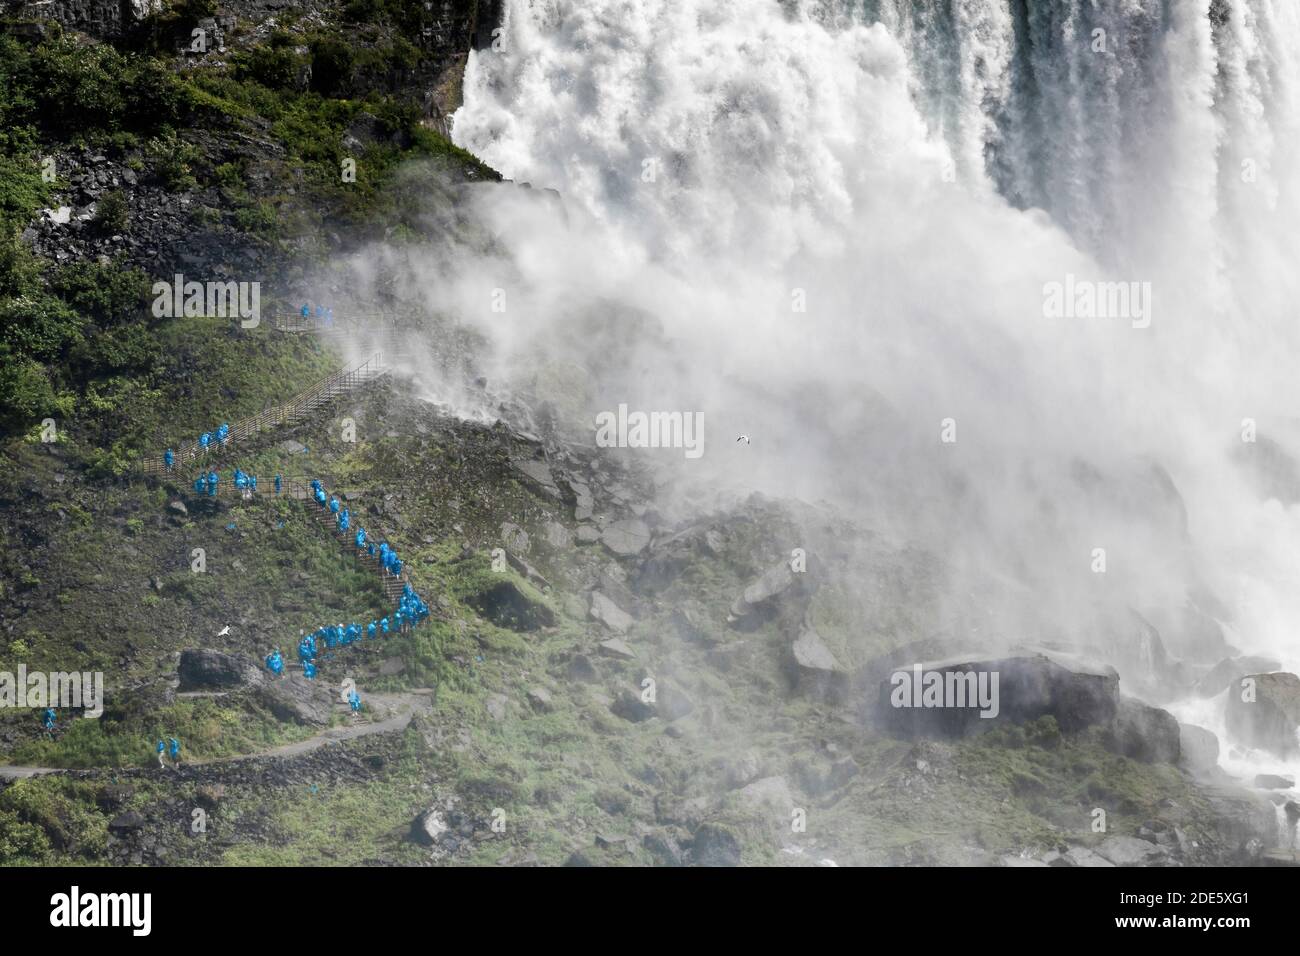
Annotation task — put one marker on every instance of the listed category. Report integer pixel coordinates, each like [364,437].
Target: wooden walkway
[294,410]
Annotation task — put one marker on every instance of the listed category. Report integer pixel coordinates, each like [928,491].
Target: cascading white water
[916,171]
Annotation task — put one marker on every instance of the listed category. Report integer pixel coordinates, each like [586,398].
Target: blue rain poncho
[275,663]
[174,748]
[49,718]
[309,670]
[277,484]
[169,459]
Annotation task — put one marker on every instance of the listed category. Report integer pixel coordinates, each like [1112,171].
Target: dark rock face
[1144,733]
[1269,721]
[208,670]
[298,699]
[1027,688]
[506,606]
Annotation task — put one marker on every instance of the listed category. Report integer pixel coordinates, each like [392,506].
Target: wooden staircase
[296,409]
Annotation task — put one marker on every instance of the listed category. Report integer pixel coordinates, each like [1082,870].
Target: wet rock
[1077,694]
[1199,747]
[1269,721]
[539,698]
[515,538]
[1130,851]
[505,605]
[630,706]
[1080,856]
[538,475]
[1143,732]
[298,699]
[771,584]
[604,610]
[428,828]
[813,667]
[1273,781]
[627,537]
[178,507]
[714,845]
[663,848]
[1244,821]
[1230,670]
[617,649]
[126,824]
[209,670]
[557,536]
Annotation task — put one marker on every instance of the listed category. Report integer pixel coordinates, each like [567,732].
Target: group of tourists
[386,554]
[171,748]
[326,316]
[320,643]
[245,483]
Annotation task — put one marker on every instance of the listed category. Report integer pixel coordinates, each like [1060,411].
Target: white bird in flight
[224,631]
[744,438]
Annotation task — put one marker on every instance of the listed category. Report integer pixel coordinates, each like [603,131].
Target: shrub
[112,213]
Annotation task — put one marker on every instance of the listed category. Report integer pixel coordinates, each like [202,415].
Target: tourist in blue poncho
[169,459]
[309,670]
[275,663]
[277,484]
[213,480]
[49,718]
[205,440]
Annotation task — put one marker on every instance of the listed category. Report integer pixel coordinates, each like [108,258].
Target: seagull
[224,631]
[744,438]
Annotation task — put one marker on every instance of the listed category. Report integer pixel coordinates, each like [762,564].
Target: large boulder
[209,670]
[813,667]
[769,585]
[1198,747]
[295,698]
[1016,689]
[1143,732]
[506,605]
[626,538]
[604,610]
[1266,712]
